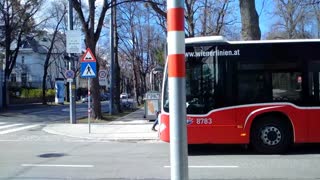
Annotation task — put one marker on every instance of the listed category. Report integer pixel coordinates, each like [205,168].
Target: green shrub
[36,93]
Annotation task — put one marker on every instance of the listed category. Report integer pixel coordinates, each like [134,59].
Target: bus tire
[271,135]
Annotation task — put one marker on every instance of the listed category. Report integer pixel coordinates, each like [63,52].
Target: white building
[29,68]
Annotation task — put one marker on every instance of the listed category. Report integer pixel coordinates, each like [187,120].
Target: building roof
[31,42]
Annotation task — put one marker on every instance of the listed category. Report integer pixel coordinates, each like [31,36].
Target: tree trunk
[250,20]
[117,75]
[94,82]
[205,15]
[44,83]
[117,83]
[116,63]
[5,93]
[135,82]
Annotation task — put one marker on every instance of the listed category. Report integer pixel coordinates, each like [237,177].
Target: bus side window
[287,86]
[314,83]
[314,90]
[252,87]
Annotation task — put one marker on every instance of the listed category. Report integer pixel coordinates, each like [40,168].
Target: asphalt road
[46,114]
[33,154]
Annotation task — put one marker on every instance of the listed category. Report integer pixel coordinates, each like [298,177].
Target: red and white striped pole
[177,94]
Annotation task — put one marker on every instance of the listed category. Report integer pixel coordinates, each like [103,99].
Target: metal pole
[151,80]
[111,59]
[72,85]
[89,106]
[1,82]
[177,94]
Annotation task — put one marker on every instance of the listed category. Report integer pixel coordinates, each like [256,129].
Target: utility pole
[111,111]
[2,60]
[72,85]
[177,94]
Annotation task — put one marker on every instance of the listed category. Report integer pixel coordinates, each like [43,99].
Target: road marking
[57,165]
[18,129]
[10,125]
[207,166]
[3,123]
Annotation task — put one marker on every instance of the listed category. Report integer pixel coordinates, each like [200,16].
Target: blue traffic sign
[88,70]
[69,74]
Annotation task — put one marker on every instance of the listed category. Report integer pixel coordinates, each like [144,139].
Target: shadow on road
[209,149]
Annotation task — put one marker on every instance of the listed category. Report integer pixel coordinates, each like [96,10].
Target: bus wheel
[270,135]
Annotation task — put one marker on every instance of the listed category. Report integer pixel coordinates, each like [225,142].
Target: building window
[13,78]
[22,59]
[24,79]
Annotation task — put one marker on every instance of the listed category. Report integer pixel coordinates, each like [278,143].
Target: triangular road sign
[88,56]
[88,71]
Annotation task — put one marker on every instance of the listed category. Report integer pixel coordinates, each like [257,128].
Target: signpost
[73,41]
[69,75]
[1,80]
[88,70]
[73,44]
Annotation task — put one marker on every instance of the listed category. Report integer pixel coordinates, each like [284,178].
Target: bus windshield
[202,79]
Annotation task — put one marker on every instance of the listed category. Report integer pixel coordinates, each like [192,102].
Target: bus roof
[221,39]
[205,39]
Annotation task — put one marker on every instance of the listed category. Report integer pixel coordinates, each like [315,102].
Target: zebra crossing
[8,127]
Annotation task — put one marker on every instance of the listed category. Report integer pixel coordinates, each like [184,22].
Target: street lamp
[154,71]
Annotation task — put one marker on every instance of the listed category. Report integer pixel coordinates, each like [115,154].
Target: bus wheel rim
[270,135]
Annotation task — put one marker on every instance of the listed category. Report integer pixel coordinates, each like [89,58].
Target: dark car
[103,97]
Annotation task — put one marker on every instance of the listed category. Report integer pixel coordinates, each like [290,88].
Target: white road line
[207,166]
[10,125]
[57,165]
[3,123]
[18,129]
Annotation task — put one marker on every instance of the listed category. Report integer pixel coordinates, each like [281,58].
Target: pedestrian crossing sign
[88,70]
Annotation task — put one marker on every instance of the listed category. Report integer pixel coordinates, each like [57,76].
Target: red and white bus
[265,93]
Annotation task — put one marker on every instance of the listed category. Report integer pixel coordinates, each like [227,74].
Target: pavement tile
[132,127]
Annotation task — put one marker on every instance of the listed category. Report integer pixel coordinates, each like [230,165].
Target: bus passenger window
[286,86]
[252,87]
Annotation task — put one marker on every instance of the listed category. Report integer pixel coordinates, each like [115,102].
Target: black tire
[271,135]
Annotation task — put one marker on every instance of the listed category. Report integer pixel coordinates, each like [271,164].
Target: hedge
[36,93]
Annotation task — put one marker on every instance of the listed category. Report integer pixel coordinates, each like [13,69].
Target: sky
[263,7]
[265,17]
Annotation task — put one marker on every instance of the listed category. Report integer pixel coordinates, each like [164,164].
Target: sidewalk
[132,127]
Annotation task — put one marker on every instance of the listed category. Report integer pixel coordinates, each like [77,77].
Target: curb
[111,139]
[104,138]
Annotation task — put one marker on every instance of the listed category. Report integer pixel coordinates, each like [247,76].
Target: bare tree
[216,17]
[18,22]
[92,30]
[129,42]
[316,8]
[202,17]
[250,20]
[139,46]
[58,13]
[159,11]
[116,61]
[294,16]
